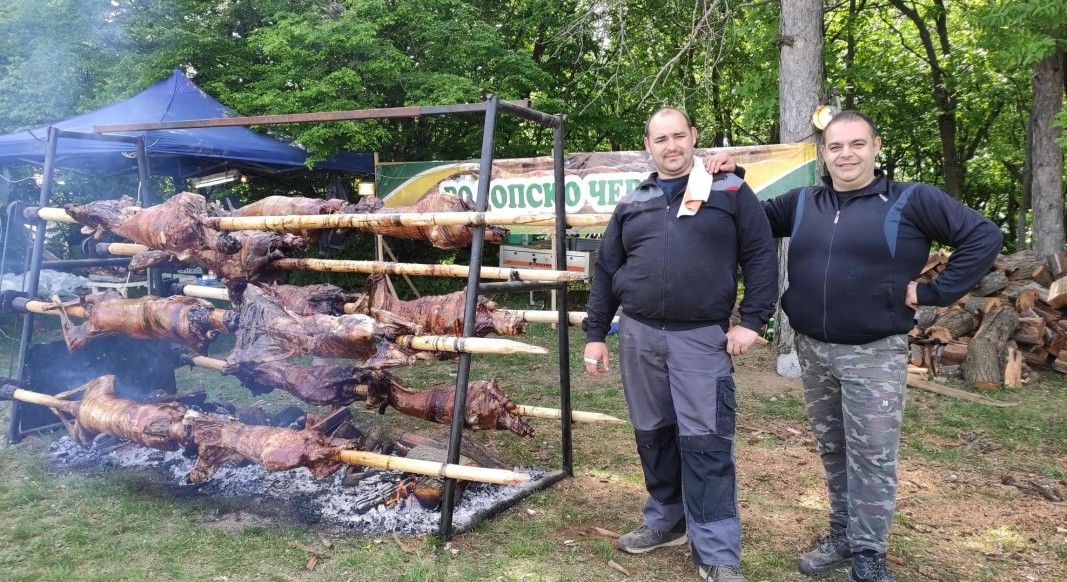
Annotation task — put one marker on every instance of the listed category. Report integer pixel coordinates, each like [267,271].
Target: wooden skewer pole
[576,415]
[299,222]
[521,410]
[46,308]
[473,345]
[459,472]
[206,292]
[125,249]
[341,266]
[55,215]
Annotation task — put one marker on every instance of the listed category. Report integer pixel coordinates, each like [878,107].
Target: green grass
[122,525]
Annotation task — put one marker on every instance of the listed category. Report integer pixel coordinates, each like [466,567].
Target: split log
[1060,363]
[1013,369]
[1042,275]
[977,305]
[952,354]
[1016,288]
[1057,293]
[1027,299]
[1058,264]
[982,367]
[991,284]
[958,322]
[1019,265]
[925,316]
[915,355]
[1030,331]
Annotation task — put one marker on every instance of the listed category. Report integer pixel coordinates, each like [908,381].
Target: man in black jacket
[858,242]
[670,258]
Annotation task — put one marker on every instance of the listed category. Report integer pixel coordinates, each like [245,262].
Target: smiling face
[849,149]
[670,141]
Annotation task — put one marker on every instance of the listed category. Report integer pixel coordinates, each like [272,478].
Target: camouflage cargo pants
[854,396]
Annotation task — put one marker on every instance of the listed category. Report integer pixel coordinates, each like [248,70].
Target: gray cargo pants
[680,394]
[855,403]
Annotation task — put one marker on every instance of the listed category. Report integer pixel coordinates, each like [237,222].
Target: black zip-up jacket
[681,273]
[850,263]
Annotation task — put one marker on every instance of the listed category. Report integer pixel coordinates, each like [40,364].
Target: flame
[403,489]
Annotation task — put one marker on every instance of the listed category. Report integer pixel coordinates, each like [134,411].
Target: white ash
[324,502]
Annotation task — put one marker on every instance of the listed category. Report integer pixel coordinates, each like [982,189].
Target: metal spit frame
[492,107]
[35,256]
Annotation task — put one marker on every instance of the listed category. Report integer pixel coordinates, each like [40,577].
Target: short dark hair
[688,121]
[852,115]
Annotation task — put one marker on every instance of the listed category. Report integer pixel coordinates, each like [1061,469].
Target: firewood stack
[1002,333]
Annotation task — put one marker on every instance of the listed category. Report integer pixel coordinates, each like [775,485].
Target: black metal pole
[566,446]
[33,277]
[459,409]
[148,198]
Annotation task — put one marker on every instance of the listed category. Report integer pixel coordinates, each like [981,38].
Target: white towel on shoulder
[697,190]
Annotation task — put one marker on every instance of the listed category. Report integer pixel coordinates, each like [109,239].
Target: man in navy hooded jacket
[857,243]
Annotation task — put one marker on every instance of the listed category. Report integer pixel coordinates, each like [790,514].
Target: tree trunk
[800,78]
[1047,156]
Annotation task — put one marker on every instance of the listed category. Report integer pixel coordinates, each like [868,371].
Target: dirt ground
[954,522]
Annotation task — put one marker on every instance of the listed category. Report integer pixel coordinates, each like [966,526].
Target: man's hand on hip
[596,354]
[738,340]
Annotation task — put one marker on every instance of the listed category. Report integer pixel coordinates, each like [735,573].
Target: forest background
[968,94]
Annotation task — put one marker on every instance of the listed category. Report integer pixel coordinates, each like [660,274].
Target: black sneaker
[830,553]
[868,569]
[645,539]
[721,574]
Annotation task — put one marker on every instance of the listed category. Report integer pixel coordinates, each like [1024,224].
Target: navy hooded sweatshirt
[852,255]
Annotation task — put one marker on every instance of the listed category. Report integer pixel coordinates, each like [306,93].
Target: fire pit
[325,503]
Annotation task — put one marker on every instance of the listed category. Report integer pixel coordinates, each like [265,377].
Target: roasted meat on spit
[301,206]
[173,426]
[322,299]
[173,230]
[100,411]
[187,320]
[340,385]
[221,441]
[439,314]
[270,333]
[442,237]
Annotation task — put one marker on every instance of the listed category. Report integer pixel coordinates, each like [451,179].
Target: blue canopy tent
[180,153]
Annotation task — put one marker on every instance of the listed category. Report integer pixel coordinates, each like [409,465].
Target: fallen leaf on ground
[311,563]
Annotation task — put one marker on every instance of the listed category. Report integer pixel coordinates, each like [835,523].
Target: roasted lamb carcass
[311,299]
[340,385]
[221,441]
[301,206]
[270,333]
[173,426]
[100,411]
[439,314]
[442,237]
[187,320]
[174,230]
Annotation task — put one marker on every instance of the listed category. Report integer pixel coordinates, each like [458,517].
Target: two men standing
[858,242]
